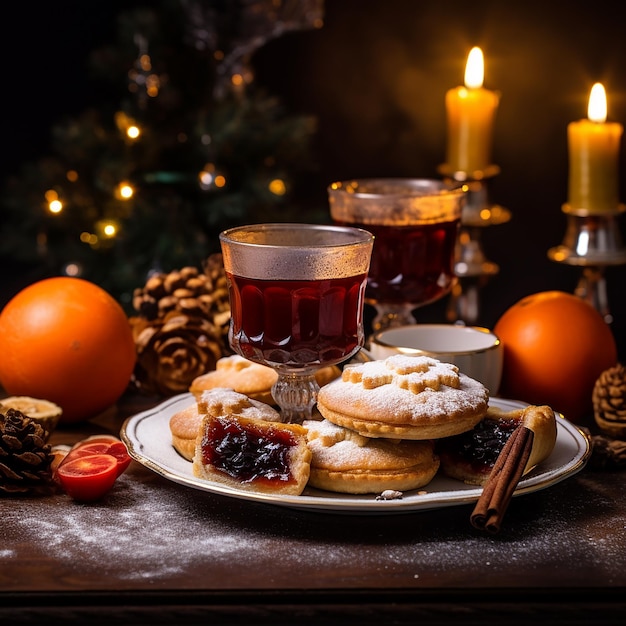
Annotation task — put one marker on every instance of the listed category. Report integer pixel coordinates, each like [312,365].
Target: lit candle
[593,158]
[471,111]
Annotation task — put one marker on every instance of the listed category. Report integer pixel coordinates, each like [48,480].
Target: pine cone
[607,453]
[172,351]
[187,291]
[25,458]
[609,401]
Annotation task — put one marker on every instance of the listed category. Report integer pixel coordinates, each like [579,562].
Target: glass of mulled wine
[415,222]
[297,293]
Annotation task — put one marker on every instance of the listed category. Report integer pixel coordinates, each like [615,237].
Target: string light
[153,84]
[141,77]
[73,269]
[107,228]
[124,191]
[89,238]
[209,178]
[278,187]
[127,125]
[55,206]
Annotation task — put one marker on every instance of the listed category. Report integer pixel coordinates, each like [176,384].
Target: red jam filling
[480,447]
[248,453]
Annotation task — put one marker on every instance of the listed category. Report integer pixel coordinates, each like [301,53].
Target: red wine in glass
[411,264]
[297,323]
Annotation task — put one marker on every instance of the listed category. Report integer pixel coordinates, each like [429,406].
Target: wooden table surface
[155,552]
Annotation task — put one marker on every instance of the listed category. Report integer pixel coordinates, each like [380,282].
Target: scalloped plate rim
[148,439]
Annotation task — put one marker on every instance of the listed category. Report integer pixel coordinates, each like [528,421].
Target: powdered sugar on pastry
[407,397]
[325,433]
[225,401]
[412,373]
[338,448]
[244,376]
[345,461]
[408,372]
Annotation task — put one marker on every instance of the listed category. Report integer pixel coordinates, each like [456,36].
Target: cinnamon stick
[503,480]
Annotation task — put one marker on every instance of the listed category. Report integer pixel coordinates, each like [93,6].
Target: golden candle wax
[471,112]
[593,144]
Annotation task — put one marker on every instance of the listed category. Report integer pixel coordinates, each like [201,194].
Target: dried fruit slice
[99,444]
[116,449]
[88,478]
[42,411]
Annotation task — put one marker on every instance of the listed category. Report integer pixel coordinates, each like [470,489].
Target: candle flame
[596,111]
[475,69]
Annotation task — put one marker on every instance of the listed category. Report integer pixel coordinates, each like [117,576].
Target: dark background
[375,76]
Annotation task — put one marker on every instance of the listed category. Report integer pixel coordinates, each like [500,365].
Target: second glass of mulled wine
[416,223]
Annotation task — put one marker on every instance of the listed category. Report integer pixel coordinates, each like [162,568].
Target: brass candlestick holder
[472,267]
[592,241]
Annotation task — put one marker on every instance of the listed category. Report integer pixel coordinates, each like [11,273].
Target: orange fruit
[556,345]
[68,341]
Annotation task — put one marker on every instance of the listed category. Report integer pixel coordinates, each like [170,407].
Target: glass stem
[389,316]
[296,395]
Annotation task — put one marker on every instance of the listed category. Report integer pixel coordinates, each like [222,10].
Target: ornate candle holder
[592,241]
[472,267]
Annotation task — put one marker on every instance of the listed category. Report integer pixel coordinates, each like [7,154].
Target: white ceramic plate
[148,438]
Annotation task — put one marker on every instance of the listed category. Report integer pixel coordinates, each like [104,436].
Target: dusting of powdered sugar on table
[148,530]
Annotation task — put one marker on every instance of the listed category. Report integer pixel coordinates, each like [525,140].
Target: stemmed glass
[296,295]
[416,223]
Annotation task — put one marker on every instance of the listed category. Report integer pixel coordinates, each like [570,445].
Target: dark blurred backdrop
[375,76]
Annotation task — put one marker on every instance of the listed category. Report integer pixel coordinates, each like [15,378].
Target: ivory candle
[593,144]
[471,112]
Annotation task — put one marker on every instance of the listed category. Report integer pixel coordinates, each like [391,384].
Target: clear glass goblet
[415,222]
[296,295]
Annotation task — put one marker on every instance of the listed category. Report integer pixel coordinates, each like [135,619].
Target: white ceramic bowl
[477,352]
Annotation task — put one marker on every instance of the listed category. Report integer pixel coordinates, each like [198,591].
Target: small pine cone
[161,293]
[187,291]
[609,401]
[607,453]
[172,351]
[25,457]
